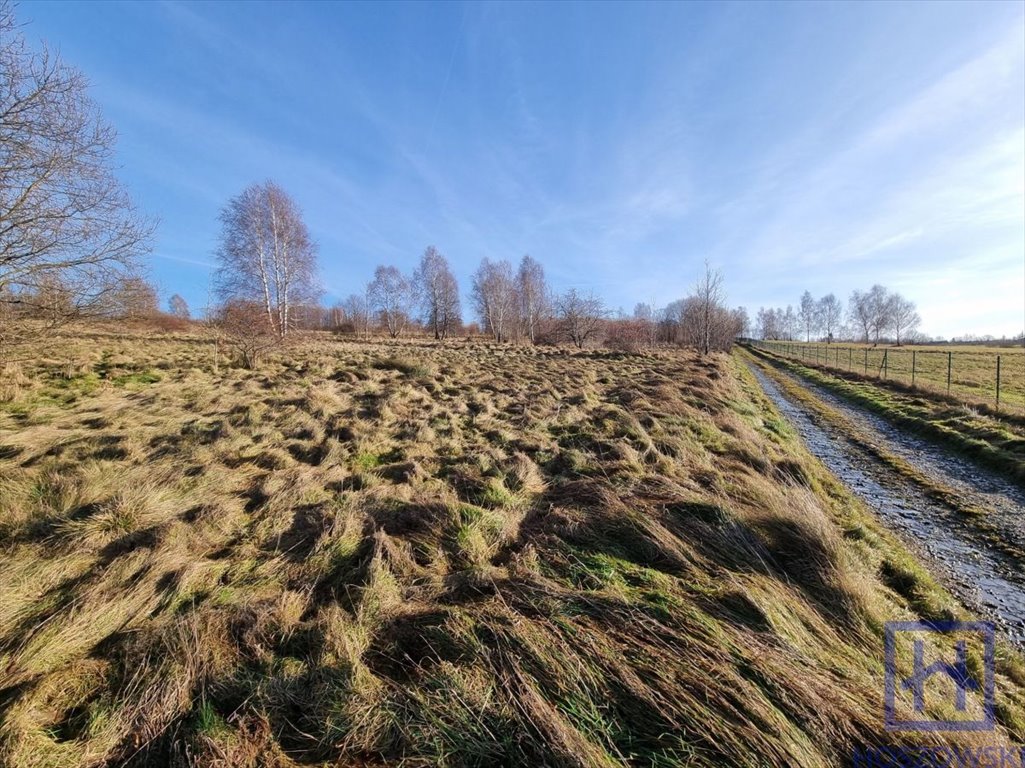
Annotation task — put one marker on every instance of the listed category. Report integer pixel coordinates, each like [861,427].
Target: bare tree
[903,316]
[64,218]
[830,312]
[337,317]
[496,298]
[859,311]
[880,308]
[309,316]
[739,324]
[709,294]
[49,302]
[766,324]
[581,317]
[808,314]
[243,326]
[266,254]
[774,323]
[178,307]
[672,321]
[134,299]
[533,295]
[870,312]
[393,296]
[357,311]
[789,323]
[438,292]
[645,314]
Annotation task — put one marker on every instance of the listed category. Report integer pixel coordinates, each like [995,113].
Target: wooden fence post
[998,382]
[866,361]
[912,367]
[949,363]
[885,353]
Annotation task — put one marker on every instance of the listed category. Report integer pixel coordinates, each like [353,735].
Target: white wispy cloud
[959,144]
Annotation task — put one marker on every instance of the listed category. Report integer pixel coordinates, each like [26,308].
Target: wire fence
[987,376]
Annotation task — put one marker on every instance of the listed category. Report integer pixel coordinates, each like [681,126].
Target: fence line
[983,376]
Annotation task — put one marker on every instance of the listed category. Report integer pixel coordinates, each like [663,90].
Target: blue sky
[795,146]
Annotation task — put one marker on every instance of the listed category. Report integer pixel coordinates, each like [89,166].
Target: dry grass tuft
[14,384]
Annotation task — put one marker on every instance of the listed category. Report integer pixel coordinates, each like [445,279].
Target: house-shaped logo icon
[980,634]
[957,672]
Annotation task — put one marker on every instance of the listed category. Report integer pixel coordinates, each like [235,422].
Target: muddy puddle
[989,583]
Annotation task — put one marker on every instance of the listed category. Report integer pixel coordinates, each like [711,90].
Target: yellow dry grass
[459,554]
[972,368]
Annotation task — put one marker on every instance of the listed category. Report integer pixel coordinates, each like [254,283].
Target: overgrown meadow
[433,554]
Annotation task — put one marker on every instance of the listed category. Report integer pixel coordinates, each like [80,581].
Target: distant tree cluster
[516,305]
[873,316]
[702,320]
[1018,340]
[438,294]
[510,305]
[395,303]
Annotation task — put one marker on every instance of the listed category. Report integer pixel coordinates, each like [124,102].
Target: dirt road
[990,582]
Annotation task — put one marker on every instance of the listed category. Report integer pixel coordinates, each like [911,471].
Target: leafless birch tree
[879,306]
[357,311]
[266,254]
[708,292]
[859,312]
[808,314]
[393,296]
[830,312]
[870,312]
[533,295]
[438,292]
[790,325]
[903,316]
[495,298]
[135,299]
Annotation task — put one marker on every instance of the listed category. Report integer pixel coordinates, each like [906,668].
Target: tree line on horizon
[266,290]
[873,316]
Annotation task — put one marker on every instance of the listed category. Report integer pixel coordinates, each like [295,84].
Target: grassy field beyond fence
[993,376]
